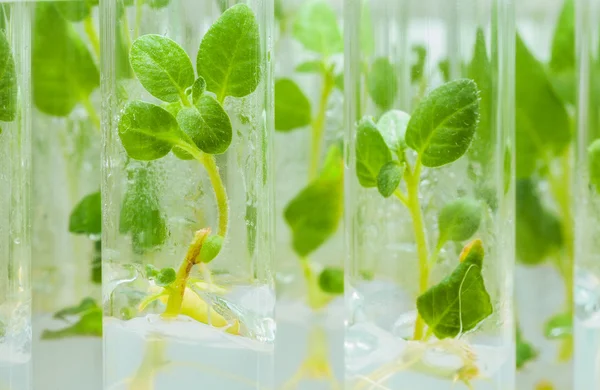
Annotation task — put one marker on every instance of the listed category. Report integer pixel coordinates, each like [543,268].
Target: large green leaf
[229,58]
[8,81]
[63,70]
[317,29]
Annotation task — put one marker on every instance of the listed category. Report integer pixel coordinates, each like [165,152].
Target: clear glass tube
[586,199]
[545,105]
[65,81]
[429,194]
[15,181]
[309,187]
[187,194]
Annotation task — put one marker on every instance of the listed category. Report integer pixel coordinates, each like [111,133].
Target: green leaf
[480,71]
[382,83]
[229,58]
[331,280]
[210,248]
[89,325]
[542,122]
[292,107]
[147,131]
[8,82]
[63,70]
[392,126]
[559,326]
[372,153]
[563,42]
[316,66]
[443,124]
[162,66]
[140,212]
[74,11]
[86,217]
[594,164]
[315,213]
[165,277]
[460,302]
[198,90]
[208,125]
[444,67]
[339,81]
[525,351]
[459,220]
[316,27]
[417,71]
[538,231]
[158,4]
[97,263]
[86,304]
[389,178]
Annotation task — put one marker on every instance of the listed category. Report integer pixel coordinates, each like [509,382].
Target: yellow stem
[318,126]
[90,30]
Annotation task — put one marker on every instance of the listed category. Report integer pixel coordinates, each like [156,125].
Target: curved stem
[318,126]
[90,31]
[220,193]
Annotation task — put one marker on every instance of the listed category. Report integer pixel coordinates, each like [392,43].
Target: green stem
[318,126]
[89,107]
[317,299]
[90,31]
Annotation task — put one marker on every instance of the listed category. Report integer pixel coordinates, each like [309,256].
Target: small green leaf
[542,121]
[208,125]
[151,271]
[210,248]
[198,90]
[316,27]
[86,304]
[389,178]
[292,107]
[162,66]
[165,277]
[63,70]
[8,82]
[460,302]
[89,325]
[229,58]
[382,83]
[563,42]
[315,213]
[316,66]
[443,124]
[331,280]
[417,71]
[525,351]
[538,230]
[392,126]
[594,164]
[372,153]
[86,217]
[559,326]
[147,131]
[459,220]
[74,11]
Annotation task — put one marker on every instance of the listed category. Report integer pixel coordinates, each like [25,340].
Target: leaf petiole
[318,126]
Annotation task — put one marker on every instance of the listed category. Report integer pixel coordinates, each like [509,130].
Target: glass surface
[429,195]
[545,106]
[187,194]
[309,188]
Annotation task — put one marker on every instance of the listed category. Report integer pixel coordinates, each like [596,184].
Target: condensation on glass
[15,179]
[586,198]
[429,194]
[545,106]
[308,47]
[188,116]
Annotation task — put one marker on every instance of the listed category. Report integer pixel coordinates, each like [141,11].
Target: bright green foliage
[563,42]
[210,248]
[389,178]
[525,351]
[559,326]
[162,277]
[542,122]
[417,71]
[63,70]
[317,29]
[372,153]
[443,124]
[86,217]
[147,131]
[459,302]
[162,67]
[315,213]
[392,126]
[207,124]
[157,4]
[198,90]
[331,280]
[74,11]
[594,164]
[230,57]
[140,212]
[538,230]
[292,107]
[89,323]
[8,82]
[459,220]
[382,83]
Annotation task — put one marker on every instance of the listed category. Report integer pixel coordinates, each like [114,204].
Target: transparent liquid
[148,353]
